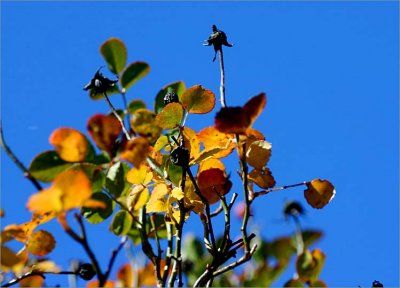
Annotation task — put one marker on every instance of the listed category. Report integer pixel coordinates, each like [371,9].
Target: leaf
[70,144]
[125,276]
[161,142]
[70,189]
[192,248]
[137,197]
[139,175]
[232,120]
[135,105]
[211,163]
[40,243]
[255,106]
[198,100]
[47,165]
[177,193]
[121,223]
[32,281]
[211,138]
[104,130]
[311,236]
[263,178]
[114,53]
[95,284]
[206,154]
[309,264]
[319,193]
[179,87]
[157,201]
[115,179]
[213,182]
[96,215]
[143,122]
[294,283]
[258,154]
[281,248]
[9,259]
[133,72]
[135,151]
[171,116]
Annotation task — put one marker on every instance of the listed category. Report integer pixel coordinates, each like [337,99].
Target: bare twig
[17,162]
[114,254]
[264,192]
[222,84]
[114,111]
[35,273]
[168,255]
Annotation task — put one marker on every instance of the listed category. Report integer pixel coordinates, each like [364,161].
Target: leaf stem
[17,162]
[114,111]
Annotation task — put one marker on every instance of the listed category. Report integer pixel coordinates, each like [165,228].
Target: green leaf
[47,165]
[116,182]
[121,223]
[198,100]
[192,248]
[170,117]
[281,248]
[309,265]
[133,72]
[311,236]
[98,96]
[95,216]
[135,105]
[175,173]
[179,87]
[115,54]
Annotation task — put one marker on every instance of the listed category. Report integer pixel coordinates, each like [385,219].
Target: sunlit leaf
[319,193]
[104,130]
[212,138]
[135,105]
[255,106]
[71,189]
[135,151]
[96,215]
[213,182]
[206,154]
[47,165]
[143,122]
[133,72]
[212,163]
[232,120]
[263,178]
[137,197]
[125,276]
[309,264]
[161,142]
[170,116]
[157,201]
[32,281]
[139,175]
[198,100]
[191,141]
[177,193]
[258,154]
[179,87]
[121,223]
[9,259]
[40,243]
[95,284]
[115,54]
[70,144]
[115,179]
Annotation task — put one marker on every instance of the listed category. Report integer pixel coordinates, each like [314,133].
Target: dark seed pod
[293,209]
[170,97]
[86,271]
[180,156]
[377,284]
[99,83]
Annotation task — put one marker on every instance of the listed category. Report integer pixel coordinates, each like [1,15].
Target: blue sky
[330,70]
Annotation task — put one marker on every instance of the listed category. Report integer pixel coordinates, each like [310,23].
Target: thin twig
[17,162]
[168,255]
[217,211]
[264,192]
[114,111]
[35,273]
[114,254]
[159,252]
[222,71]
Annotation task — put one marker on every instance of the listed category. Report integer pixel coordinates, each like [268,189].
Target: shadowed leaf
[95,215]
[40,243]
[135,105]
[135,151]
[114,53]
[47,165]
[121,223]
[178,87]
[255,106]
[133,72]
[232,120]
[213,182]
[143,122]
[104,130]
[258,154]
[263,178]
[309,264]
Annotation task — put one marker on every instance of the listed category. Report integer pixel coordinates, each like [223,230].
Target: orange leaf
[212,138]
[213,182]
[211,163]
[319,193]
[198,100]
[258,154]
[40,243]
[71,189]
[232,120]
[32,281]
[135,151]
[255,106]
[170,116]
[95,284]
[125,276]
[263,178]
[12,261]
[104,129]
[71,145]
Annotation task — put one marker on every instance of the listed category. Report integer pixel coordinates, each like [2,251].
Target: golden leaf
[40,243]
[263,178]
[258,154]
[157,201]
[135,151]
[212,138]
[70,144]
[319,193]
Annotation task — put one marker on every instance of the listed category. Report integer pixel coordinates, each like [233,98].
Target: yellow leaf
[161,142]
[40,243]
[71,189]
[258,154]
[192,142]
[137,197]
[139,175]
[319,193]
[70,144]
[135,151]
[211,163]
[263,178]
[177,193]
[157,201]
[11,260]
[198,100]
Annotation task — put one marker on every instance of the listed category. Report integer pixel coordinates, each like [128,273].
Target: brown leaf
[263,178]
[213,182]
[319,193]
[255,106]
[104,129]
[232,120]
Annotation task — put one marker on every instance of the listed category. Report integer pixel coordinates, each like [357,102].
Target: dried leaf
[198,100]
[70,144]
[319,193]
[213,183]
[232,120]
[263,178]
[258,154]
[255,106]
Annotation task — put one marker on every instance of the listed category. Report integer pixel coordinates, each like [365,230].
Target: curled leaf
[70,144]
[198,100]
[319,193]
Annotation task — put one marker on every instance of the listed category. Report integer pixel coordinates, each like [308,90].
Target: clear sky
[331,73]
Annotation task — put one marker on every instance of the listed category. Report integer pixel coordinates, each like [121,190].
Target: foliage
[142,178]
